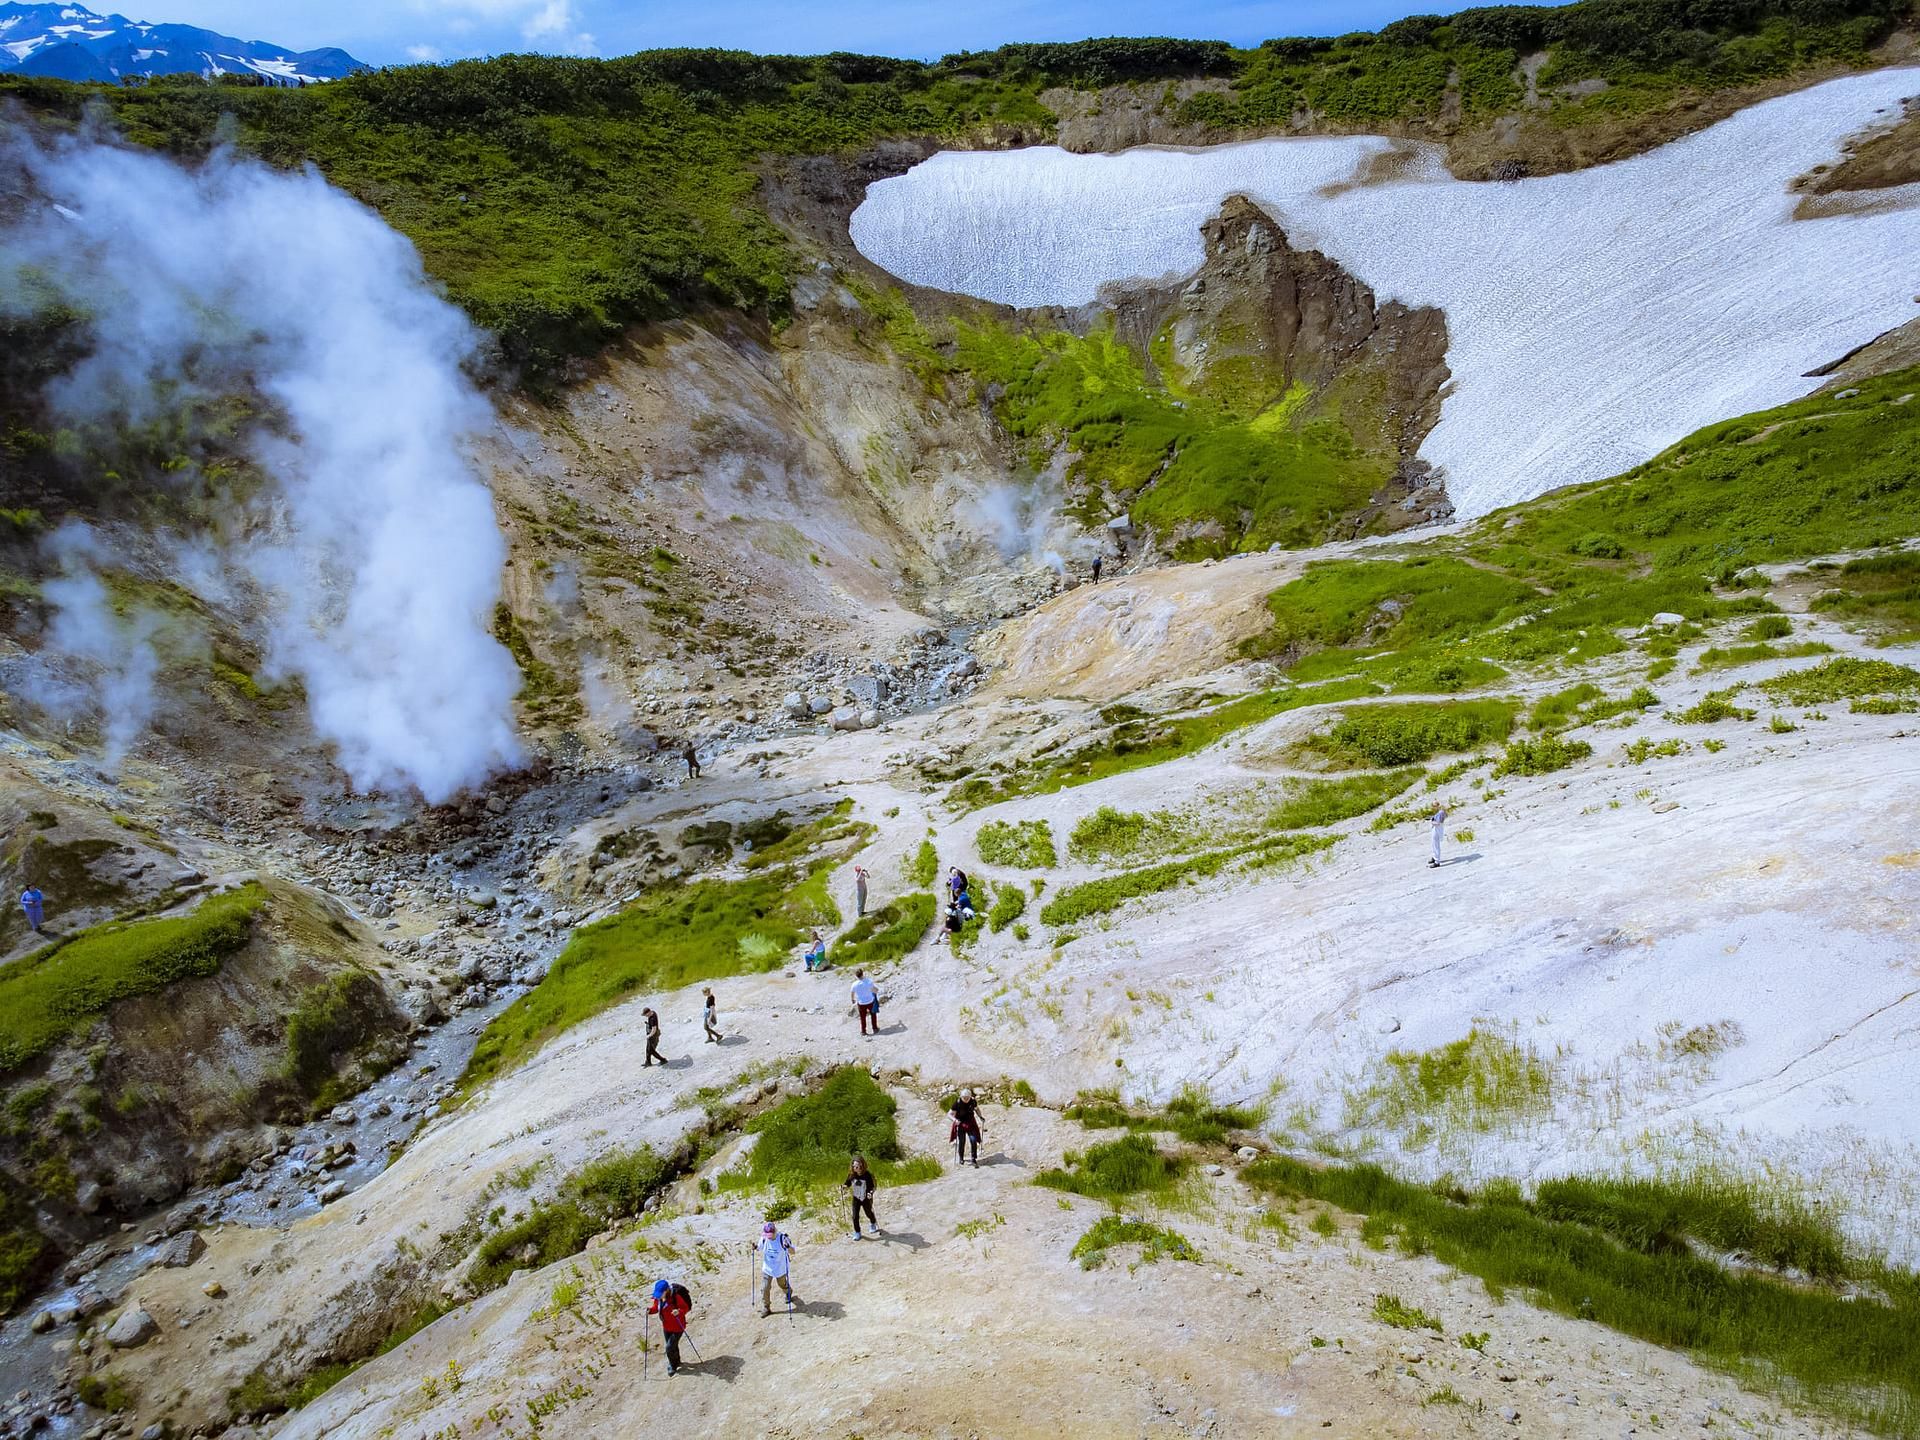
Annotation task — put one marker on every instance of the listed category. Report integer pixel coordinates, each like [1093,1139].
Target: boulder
[795,704]
[182,1250]
[1667,617]
[88,1197]
[134,1328]
[845,718]
[869,719]
[334,1191]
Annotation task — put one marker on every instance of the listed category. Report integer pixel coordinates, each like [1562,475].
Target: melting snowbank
[1595,317]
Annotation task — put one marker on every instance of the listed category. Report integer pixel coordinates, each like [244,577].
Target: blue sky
[393,31]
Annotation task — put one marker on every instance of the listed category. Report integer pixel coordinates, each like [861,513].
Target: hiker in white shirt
[866,1000]
[776,1260]
[1439,828]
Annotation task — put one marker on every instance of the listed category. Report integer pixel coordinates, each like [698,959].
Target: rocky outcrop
[1287,335]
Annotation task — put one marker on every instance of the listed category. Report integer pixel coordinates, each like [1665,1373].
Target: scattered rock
[43,1322]
[213,1290]
[182,1250]
[1247,1152]
[134,1328]
[334,1191]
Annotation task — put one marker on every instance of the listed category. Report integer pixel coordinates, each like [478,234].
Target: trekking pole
[688,1337]
[789,1290]
[646,1344]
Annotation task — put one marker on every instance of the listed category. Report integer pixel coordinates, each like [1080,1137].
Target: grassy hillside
[1558,577]
[559,200]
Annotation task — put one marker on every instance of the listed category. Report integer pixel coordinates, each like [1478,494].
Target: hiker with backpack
[653,1037]
[966,1126]
[710,1015]
[672,1304]
[859,891]
[33,905]
[860,1186]
[866,1000]
[956,882]
[776,1263]
[692,756]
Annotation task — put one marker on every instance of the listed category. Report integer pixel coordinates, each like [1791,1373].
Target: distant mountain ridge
[68,42]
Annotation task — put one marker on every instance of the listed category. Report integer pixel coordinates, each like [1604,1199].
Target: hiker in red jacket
[672,1304]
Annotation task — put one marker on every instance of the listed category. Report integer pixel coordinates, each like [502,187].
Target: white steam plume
[376,542]
[115,656]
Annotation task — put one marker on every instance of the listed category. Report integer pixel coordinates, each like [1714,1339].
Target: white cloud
[550,25]
[425,54]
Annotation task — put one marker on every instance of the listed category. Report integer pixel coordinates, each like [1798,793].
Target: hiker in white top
[1439,827]
[776,1252]
[866,1000]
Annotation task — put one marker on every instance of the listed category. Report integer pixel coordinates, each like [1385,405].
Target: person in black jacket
[860,1186]
[966,1126]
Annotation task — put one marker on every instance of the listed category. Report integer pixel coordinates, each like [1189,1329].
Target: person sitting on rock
[817,953]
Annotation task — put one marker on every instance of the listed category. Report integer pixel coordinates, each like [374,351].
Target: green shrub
[104,1391]
[1190,1114]
[1541,755]
[57,991]
[1392,1310]
[924,868]
[1022,844]
[1106,834]
[607,1190]
[1392,735]
[329,1021]
[882,936]
[1156,1243]
[806,1142]
[1643,749]
[1311,803]
[1717,658]
[1130,1165]
[1842,678]
[1768,627]
[1009,904]
[1094,897]
[1714,706]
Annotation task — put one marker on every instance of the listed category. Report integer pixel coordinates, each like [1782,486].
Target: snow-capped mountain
[69,43]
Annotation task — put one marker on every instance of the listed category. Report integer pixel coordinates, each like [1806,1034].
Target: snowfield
[1594,318]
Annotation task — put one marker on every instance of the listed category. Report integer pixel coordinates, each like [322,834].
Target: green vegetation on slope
[610,1189]
[882,936]
[698,931]
[1022,844]
[1096,897]
[1382,735]
[1136,740]
[806,1142]
[1615,1253]
[59,990]
[1190,1115]
[559,200]
[1130,1165]
[1156,1242]
[1647,51]
[1558,577]
[1258,473]
[1882,592]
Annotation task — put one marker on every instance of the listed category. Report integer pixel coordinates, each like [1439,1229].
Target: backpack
[678,1293]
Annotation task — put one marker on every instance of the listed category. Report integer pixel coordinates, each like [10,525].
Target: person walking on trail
[710,1015]
[866,1000]
[776,1261]
[1098,561]
[859,891]
[1439,829]
[672,1304]
[692,757]
[966,1127]
[860,1186]
[34,905]
[653,1038]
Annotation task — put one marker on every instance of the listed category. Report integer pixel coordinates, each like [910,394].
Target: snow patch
[1594,318]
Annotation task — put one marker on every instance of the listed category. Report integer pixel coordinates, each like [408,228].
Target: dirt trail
[971,1318]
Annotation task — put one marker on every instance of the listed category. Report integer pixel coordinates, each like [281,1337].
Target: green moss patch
[1156,1242]
[884,935]
[57,992]
[1404,734]
[1017,844]
[1131,1165]
[694,932]
[805,1143]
